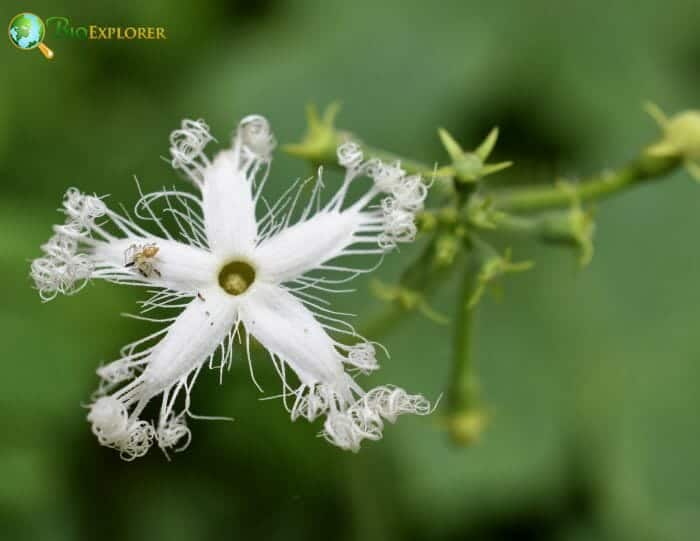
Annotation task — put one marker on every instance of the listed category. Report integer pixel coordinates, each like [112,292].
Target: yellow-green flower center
[236,277]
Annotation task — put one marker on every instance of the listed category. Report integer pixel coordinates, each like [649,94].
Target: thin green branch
[418,281]
[465,420]
[530,199]
[462,384]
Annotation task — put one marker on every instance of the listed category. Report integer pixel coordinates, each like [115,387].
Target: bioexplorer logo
[61,27]
[27,31]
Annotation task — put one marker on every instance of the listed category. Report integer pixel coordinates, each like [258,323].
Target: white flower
[236,263]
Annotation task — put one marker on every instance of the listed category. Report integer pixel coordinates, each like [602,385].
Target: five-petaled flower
[239,267]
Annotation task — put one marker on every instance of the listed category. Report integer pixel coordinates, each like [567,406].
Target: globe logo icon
[27,32]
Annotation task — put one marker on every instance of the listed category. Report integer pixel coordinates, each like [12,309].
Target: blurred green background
[590,375]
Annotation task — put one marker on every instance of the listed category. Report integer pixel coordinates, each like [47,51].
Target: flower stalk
[425,274]
[642,169]
[464,417]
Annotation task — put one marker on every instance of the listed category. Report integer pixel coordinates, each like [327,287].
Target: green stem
[517,224]
[462,385]
[569,227]
[531,199]
[464,419]
[421,277]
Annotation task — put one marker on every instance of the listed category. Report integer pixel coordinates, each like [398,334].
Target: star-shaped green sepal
[470,166]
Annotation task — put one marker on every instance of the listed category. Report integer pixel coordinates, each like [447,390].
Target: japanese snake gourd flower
[237,267]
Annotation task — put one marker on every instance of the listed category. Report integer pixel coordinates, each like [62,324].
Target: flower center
[236,277]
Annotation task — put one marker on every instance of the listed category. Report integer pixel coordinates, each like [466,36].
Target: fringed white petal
[191,339]
[97,242]
[307,245]
[175,265]
[294,337]
[229,207]
[290,333]
[168,369]
[340,229]
[230,192]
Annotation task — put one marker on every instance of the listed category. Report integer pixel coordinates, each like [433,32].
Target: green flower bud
[447,247]
[465,428]
[470,167]
[321,139]
[495,266]
[680,137]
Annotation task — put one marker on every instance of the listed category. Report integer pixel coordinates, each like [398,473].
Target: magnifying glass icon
[27,31]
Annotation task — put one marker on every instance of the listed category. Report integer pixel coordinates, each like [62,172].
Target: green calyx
[321,140]
[470,167]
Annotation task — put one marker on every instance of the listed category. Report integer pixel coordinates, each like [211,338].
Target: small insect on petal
[141,257]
